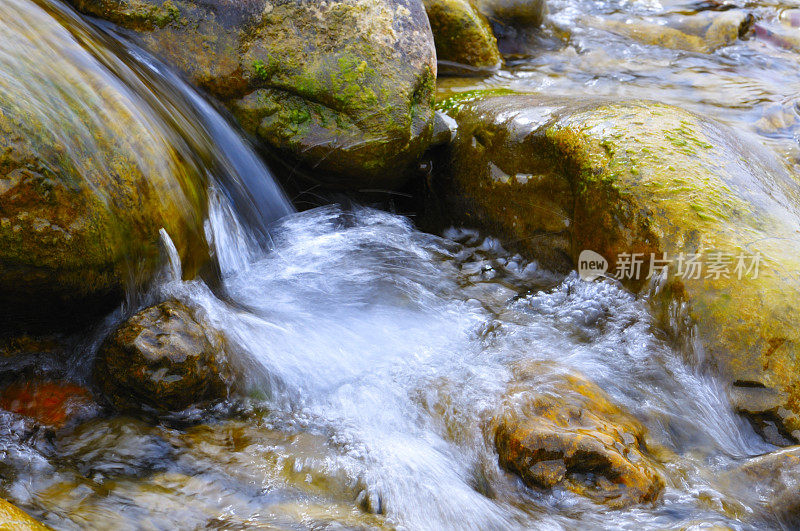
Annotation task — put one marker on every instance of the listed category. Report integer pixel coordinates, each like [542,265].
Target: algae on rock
[554,178]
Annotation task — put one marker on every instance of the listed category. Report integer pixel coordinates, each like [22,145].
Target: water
[752,84]
[189,123]
[373,356]
[370,358]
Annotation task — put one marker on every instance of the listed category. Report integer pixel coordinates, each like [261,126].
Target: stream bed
[369,357]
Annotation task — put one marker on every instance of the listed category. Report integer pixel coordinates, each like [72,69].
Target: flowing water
[370,357]
[603,49]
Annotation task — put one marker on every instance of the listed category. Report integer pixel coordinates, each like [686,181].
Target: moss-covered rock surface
[346,86]
[554,178]
[462,35]
[88,177]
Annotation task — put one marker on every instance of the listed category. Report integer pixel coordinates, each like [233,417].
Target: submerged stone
[559,429]
[463,36]
[346,86]
[162,360]
[52,404]
[646,181]
[770,481]
[703,32]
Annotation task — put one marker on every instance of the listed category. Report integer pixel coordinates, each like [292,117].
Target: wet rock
[52,404]
[524,14]
[162,360]
[14,519]
[462,36]
[558,429]
[345,86]
[771,481]
[703,32]
[554,178]
[87,180]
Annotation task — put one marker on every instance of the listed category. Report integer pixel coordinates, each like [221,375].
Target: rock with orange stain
[49,403]
[557,428]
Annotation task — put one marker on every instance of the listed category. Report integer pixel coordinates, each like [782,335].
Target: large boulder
[645,180]
[87,179]
[463,37]
[162,360]
[558,429]
[345,86]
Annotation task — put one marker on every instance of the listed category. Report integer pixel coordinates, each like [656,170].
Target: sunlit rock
[345,86]
[462,36]
[648,184]
[14,519]
[523,14]
[162,360]
[558,429]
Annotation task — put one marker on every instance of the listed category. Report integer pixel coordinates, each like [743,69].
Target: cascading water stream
[220,150]
[369,358]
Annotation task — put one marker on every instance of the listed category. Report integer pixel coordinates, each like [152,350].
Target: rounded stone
[162,360]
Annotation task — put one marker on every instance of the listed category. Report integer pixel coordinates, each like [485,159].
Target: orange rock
[14,519]
[557,428]
[50,403]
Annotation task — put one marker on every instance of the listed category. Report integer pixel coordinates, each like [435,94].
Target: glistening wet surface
[371,358]
[374,357]
[734,60]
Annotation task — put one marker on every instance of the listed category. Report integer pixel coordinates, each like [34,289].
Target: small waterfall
[194,126]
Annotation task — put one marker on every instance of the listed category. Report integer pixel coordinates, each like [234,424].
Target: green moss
[457,102]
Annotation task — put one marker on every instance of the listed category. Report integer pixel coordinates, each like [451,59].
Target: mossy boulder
[558,429]
[554,178]
[12,518]
[463,37]
[344,86]
[162,360]
[87,179]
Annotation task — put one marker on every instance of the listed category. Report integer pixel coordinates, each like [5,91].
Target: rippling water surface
[373,355]
[370,356]
[590,48]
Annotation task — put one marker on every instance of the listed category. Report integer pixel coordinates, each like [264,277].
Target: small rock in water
[52,404]
[162,360]
[557,428]
[520,13]
[704,32]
